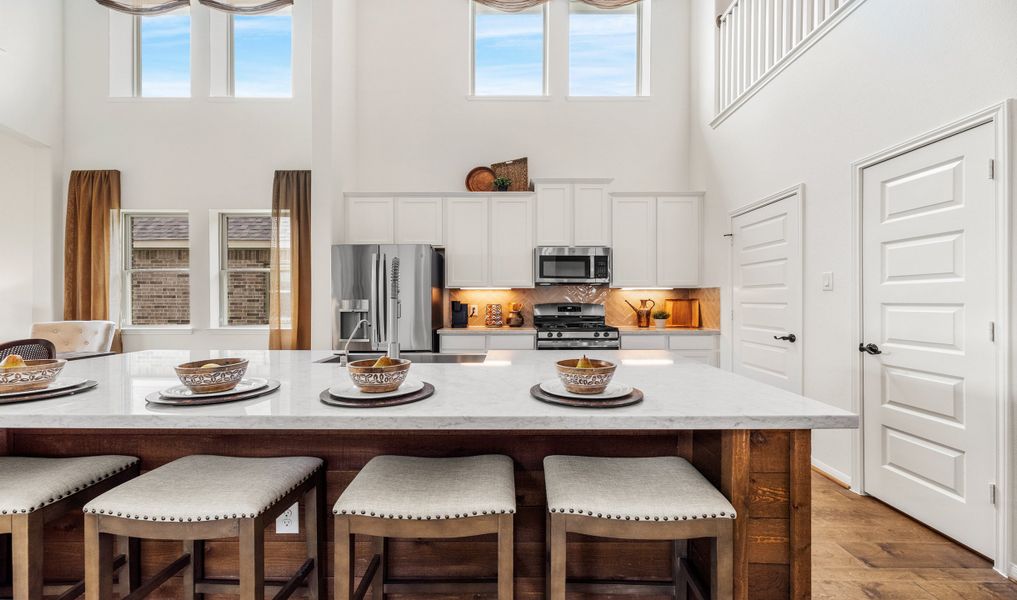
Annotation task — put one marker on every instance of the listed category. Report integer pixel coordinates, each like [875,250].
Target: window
[163,55]
[606,56]
[245,260]
[262,54]
[156,282]
[509,52]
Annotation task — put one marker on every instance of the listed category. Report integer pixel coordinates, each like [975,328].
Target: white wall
[31,138]
[418,131]
[195,154]
[892,70]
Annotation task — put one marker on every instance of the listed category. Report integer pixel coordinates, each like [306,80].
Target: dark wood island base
[765,474]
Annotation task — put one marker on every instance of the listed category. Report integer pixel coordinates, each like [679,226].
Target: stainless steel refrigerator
[361,287]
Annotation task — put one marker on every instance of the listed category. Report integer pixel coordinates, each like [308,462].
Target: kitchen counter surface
[493,395]
[633,330]
[474,330]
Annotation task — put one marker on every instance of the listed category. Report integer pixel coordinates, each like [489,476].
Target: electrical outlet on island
[289,521]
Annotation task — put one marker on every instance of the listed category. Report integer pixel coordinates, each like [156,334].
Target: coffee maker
[460,315]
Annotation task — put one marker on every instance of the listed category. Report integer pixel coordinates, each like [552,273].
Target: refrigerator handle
[374,313]
[382,302]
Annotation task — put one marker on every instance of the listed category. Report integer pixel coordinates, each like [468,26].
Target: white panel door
[369,220]
[767,294]
[679,241]
[467,243]
[554,214]
[929,296]
[512,241]
[591,210]
[634,233]
[419,221]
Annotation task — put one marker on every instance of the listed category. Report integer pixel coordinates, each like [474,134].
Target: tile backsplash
[618,312]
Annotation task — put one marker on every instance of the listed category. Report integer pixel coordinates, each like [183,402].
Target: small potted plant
[660,318]
[502,184]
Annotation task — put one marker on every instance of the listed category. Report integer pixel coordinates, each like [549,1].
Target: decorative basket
[518,170]
[585,381]
[35,375]
[375,380]
[223,377]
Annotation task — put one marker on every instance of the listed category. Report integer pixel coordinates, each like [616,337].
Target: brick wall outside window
[247,293]
[160,298]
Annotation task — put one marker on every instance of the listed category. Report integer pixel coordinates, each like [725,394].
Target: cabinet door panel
[591,210]
[369,221]
[467,255]
[512,241]
[634,242]
[419,221]
[679,241]
[506,341]
[554,214]
[643,341]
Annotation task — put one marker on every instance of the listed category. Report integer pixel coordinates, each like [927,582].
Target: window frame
[220,271]
[644,22]
[545,79]
[222,72]
[136,57]
[127,271]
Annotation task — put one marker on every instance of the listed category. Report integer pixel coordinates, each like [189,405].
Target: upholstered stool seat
[659,498]
[198,498]
[409,497]
[36,491]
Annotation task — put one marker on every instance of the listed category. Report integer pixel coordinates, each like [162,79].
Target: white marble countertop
[633,330]
[493,395]
[476,330]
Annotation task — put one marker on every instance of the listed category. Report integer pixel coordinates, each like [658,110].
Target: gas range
[573,326]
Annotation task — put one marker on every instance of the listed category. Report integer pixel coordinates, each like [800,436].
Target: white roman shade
[246,7]
[144,7]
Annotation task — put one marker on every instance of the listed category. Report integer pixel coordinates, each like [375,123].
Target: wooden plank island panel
[764,473]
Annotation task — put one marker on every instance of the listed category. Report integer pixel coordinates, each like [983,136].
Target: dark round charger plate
[425,392]
[47,395]
[634,398]
[157,398]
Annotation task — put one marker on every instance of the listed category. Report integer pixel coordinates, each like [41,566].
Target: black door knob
[787,338]
[870,348]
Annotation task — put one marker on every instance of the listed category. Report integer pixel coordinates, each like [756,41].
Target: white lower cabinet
[700,348]
[463,343]
[641,341]
[467,343]
[511,342]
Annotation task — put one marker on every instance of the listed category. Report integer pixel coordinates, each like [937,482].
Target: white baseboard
[834,473]
[1012,574]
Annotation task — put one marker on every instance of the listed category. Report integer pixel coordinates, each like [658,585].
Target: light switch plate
[828,281]
[289,521]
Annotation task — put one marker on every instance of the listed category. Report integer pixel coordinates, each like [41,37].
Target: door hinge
[992,493]
[992,331]
[992,168]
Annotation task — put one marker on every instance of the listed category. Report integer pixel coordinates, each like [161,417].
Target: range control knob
[596,334]
[549,334]
[559,334]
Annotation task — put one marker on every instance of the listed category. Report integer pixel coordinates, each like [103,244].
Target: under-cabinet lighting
[486,289]
[647,289]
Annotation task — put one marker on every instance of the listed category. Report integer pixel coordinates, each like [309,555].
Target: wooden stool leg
[26,543]
[722,576]
[129,575]
[98,561]
[505,557]
[314,521]
[252,559]
[681,587]
[345,559]
[378,585]
[188,571]
[198,562]
[556,557]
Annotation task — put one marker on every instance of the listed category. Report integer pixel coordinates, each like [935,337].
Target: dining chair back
[30,349]
[77,336]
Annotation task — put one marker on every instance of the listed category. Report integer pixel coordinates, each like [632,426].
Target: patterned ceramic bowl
[221,374]
[375,380]
[35,375]
[585,381]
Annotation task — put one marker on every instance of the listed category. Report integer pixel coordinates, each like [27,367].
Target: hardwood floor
[862,549]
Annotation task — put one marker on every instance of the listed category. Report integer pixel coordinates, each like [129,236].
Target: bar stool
[36,491]
[407,497]
[198,498]
[662,498]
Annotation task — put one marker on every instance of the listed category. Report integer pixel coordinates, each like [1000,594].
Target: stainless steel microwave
[564,265]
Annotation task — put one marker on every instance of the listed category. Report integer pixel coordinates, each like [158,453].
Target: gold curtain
[144,7]
[246,7]
[519,5]
[289,320]
[93,206]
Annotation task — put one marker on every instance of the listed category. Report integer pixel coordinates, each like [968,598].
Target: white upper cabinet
[679,240]
[512,241]
[419,220]
[369,220]
[573,213]
[634,249]
[591,209]
[467,242]
[554,214]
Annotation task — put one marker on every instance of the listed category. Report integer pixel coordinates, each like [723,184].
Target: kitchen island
[751,440]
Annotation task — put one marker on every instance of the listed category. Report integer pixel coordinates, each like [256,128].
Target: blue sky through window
[166,55]
[262,55]
[603,51]
[508,52]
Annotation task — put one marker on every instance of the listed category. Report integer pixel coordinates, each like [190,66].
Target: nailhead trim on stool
[63,476]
